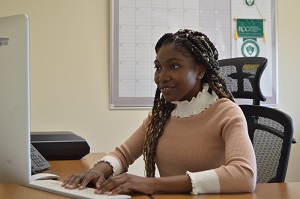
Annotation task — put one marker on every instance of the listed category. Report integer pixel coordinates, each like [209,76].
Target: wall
[288,74]
[70,72]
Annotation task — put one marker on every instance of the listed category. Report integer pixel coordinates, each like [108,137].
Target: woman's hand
[126,182]
[80,180]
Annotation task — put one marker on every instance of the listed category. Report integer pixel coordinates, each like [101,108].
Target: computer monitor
[15,164]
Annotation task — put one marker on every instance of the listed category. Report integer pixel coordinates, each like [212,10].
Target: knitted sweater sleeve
[238,174]
[129,151]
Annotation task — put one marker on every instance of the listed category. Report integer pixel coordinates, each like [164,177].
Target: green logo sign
[4,41]
[249,2]
[250,48]
[250,27]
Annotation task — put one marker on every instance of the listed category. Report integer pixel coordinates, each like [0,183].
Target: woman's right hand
[80,180]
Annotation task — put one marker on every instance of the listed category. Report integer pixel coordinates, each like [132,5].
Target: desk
[289,190]
[64,168]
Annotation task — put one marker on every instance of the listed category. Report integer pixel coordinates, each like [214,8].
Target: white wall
[288,74]
[70,71]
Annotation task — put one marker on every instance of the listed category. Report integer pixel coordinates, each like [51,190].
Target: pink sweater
[213,147]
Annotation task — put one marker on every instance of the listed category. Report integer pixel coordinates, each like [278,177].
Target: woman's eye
[174,66]
[157,68]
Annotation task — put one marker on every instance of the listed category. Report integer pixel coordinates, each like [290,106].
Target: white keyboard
[54,186]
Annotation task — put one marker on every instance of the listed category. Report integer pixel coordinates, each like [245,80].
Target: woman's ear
[201,71]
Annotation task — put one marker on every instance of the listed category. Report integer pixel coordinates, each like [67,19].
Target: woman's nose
[164,76]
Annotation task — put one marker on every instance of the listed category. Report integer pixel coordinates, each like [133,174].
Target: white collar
[197,104]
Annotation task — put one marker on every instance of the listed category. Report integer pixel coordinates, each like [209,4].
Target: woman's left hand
[126,182]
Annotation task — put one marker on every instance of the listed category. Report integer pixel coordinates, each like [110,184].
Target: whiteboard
[136,25]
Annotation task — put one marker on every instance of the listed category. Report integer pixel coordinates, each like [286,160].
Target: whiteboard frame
[117,102]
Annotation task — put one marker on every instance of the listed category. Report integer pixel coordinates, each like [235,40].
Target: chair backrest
[271,133]
[242,76]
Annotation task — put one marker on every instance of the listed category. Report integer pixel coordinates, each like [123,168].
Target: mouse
[44,176]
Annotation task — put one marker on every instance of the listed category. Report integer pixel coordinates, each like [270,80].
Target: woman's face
[177,74]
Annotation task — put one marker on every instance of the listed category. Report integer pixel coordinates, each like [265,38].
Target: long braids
[195,44]
[160,114]
[206,53]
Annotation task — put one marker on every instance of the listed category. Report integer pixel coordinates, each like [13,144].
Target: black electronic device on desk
[60,145]
[38,162]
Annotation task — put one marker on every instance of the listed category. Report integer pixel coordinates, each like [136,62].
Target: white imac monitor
[15,164]
[15,161]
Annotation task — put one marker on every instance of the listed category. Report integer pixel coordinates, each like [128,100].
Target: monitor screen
[15,164]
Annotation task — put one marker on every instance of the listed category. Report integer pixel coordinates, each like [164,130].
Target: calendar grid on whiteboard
[138,24]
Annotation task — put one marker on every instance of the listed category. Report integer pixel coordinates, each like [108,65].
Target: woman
[195,134]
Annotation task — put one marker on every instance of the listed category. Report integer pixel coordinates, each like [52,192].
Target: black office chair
[271,133]
[242,76]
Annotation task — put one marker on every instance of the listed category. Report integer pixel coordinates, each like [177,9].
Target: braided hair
[190,43]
